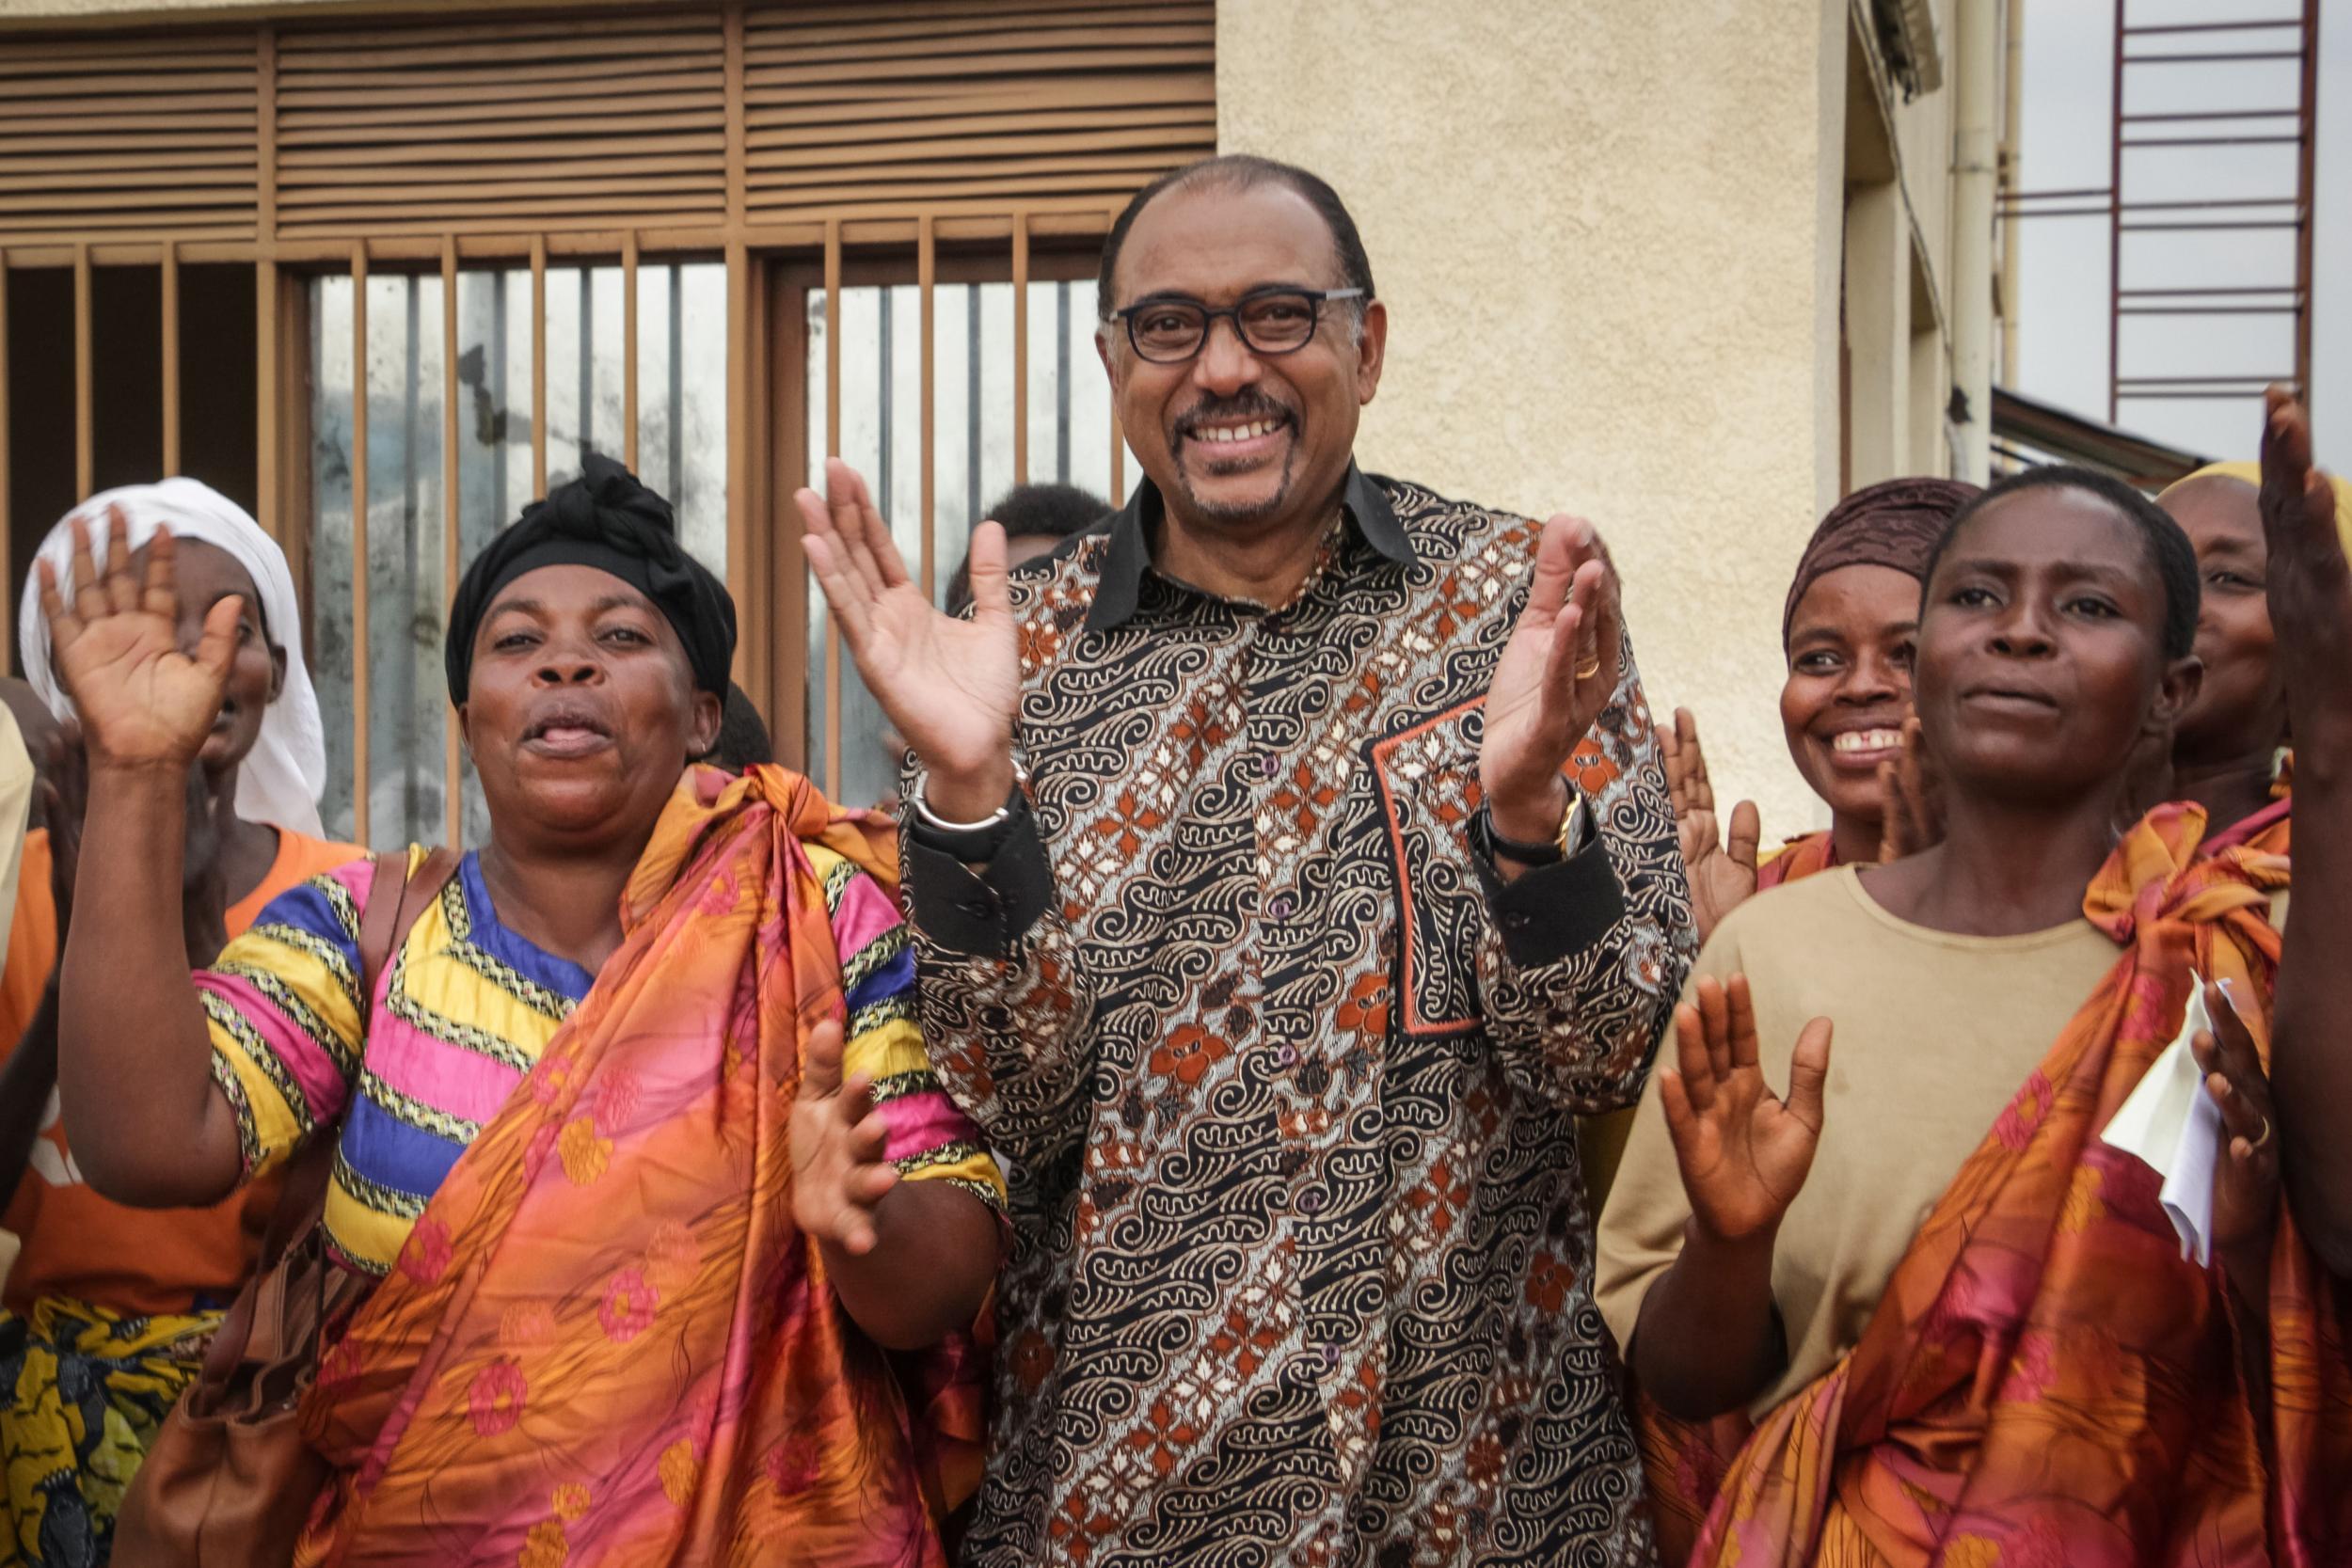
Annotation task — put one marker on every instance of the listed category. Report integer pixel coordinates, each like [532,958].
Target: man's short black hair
[1031,511]
[2169,549]
[1240,171]
[742,736]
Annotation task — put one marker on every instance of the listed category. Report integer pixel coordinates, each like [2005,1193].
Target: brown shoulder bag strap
[384,925]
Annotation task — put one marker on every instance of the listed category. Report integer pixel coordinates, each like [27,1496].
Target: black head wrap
[1895,524]
[607,520]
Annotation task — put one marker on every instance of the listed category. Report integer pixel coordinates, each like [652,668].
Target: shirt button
[1279,905]
[1330,1359]
[1269,764]
[1311,1201]
[1290,1055]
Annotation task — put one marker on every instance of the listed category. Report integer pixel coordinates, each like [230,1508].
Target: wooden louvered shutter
[537,123]
[865,109]
[105,139]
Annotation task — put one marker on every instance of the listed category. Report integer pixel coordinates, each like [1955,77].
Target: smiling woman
[533,1131]
[1847,633]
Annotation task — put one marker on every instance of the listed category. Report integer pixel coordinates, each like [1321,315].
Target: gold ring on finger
[1590,667]
[2264,1140]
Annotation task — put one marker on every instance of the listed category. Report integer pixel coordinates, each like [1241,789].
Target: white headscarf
[284,774]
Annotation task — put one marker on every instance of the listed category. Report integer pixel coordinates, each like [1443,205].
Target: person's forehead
[2217,509]
[2052,525]
[1863,593]
[206,572]
[1215,241]
[556,590]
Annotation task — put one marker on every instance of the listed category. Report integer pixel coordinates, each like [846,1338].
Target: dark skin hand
[1744,1154]
[1912,813]
[225,858]
[911,1260]
[1721,865]
[580,713]
[2309,589]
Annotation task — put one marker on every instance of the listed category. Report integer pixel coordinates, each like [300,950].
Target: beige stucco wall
[1608,238]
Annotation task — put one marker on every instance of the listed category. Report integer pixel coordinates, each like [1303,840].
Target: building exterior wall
[1610,240]
[1687,273]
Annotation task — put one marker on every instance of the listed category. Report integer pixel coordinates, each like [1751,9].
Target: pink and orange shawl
[2046,1383]
[1798,858]
[606,1341]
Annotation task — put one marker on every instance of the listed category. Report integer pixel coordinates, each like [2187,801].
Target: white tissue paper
[2171,1123]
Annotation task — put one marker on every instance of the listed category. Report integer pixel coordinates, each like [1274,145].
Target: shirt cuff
[979,915]
[1550,912]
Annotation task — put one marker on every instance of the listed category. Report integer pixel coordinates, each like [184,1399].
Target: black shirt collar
[1129,556]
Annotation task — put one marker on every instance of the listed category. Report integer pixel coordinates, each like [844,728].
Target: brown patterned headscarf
[1895,524]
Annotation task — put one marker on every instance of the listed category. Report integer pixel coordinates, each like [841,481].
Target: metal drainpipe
[2012,111]
[1974,173]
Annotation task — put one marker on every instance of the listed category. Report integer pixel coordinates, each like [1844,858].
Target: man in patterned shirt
[1290,865]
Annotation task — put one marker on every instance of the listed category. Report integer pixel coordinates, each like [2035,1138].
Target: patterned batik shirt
[1287,1075]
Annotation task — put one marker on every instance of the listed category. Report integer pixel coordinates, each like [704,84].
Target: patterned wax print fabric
[599,1339]
[2046,1379]
[1288,1075]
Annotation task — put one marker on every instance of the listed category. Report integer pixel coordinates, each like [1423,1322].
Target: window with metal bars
[380,632]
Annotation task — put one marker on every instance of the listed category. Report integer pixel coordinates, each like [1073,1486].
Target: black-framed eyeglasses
[1269,321]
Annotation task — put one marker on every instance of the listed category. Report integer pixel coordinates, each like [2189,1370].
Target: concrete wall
[1610,238]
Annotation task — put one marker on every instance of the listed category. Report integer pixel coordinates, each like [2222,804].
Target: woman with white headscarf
[104,1301]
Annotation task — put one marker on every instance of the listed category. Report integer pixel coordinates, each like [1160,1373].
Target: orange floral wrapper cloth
[606,1341]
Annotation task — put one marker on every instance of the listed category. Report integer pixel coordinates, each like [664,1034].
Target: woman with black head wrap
[599,1095]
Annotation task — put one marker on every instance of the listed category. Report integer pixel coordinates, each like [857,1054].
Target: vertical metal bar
[84,393]
[267,327]
[628,350]
[973,391]
[885,474]
[266,306]
[833,449]
[1061,382]
[170,278]
[787,659]
[731,38]
[927,280]
[757,637]
[538,365]
[676,381]
[500,353]
[2115,224]
[453,772]
[1020,346]
[2307,192]
[359,780]
[585,396]
[738,432]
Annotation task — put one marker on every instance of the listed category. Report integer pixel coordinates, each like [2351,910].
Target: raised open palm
[838,1169]
[116,638]
[1722,869]
[1744,1150]
[950,685]
[1555,676]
